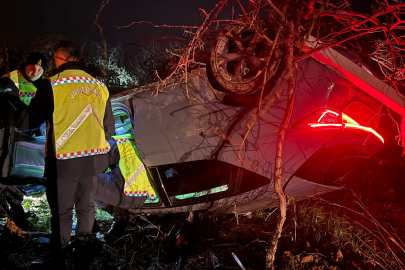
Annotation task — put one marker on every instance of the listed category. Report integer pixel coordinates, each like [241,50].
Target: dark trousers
[110,191]
[63,194]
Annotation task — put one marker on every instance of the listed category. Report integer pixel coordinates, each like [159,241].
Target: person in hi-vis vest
[17,88]
[21,82]
[127,184]
[80,122]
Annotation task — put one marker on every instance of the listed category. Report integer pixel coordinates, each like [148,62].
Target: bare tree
[157,59]
[114,71]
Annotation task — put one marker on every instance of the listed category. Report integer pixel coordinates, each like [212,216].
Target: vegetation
[39,214]
[102,215]
[322,225]
[113,71]
[319,235]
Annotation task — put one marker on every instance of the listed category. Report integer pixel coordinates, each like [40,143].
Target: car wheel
[239,57]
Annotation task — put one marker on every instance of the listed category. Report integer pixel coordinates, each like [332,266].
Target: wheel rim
[240,56]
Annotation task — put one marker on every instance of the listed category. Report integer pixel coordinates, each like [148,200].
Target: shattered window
[123,123]
[193,180]
[202,193]
[28,158]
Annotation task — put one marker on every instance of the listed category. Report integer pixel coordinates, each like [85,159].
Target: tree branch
[156,25]
[277,178]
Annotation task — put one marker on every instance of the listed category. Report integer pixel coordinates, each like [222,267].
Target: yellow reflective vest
[27,90]
[132,169]
[80,102]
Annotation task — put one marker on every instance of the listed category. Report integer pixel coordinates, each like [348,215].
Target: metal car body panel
[172,128]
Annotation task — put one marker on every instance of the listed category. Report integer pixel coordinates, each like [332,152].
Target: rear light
[332,119]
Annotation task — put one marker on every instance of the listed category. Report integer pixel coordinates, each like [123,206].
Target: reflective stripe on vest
[27,90]
[80,103]
[132,169]
[77,79]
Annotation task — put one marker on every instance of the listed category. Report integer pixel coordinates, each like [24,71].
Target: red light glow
[325,121]
[327,118]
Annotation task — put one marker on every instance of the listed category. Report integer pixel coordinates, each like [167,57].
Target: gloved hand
[6,90]
[9,88]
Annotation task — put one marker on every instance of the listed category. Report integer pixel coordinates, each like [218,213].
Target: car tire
[239,56]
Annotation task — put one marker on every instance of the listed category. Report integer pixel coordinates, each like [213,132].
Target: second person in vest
[17,88]
[80,122]
[21,82]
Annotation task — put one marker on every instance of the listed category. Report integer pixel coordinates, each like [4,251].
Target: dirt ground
[362,227]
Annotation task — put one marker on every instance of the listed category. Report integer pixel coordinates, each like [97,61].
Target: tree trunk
[271,252]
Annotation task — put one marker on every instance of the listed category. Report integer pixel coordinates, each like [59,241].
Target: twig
[238,261]
[15,229]
[156,25]
[156,236]
[111,250]
[319,254]
[214,259]
[236,215]
[241,7]
[132,259]
[103,4]
[270,214]
[257,240]
[276,9]
[145,219]
[140,244]
[130,236]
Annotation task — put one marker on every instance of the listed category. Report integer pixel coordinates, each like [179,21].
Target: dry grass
[374,246]
[336,241]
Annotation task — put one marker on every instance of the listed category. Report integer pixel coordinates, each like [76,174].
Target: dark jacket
[41,110]
[7,83]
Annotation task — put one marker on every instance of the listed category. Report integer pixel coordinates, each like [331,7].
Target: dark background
[25,21]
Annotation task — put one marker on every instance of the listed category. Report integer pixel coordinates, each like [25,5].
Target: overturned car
[196,143]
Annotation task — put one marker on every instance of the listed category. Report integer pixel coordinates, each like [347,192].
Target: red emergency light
[332,119]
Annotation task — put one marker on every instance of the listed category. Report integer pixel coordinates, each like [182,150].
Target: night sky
[24,21]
